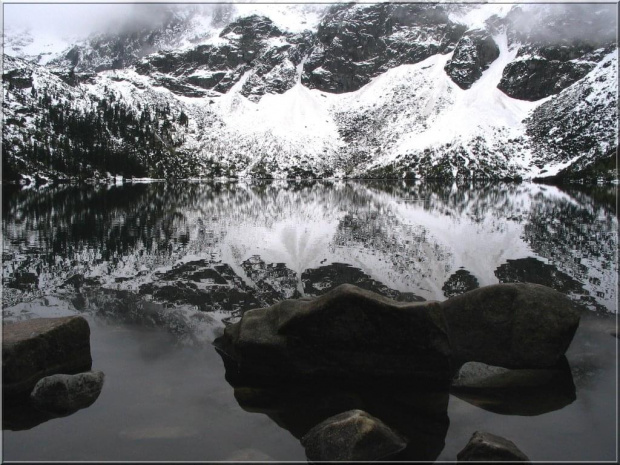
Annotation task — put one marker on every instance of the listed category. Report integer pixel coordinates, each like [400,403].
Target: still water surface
[159,269]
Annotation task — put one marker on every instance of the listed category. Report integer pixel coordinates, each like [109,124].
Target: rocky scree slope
[432,91]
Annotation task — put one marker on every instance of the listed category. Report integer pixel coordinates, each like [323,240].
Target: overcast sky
[69,19]
[79,19]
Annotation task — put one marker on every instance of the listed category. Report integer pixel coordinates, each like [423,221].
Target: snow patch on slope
[478,111]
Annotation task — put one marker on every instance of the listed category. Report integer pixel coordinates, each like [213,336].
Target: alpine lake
[159,269]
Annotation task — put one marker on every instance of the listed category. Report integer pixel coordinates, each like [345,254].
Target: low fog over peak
[65,19]
[82,20]
[564,23]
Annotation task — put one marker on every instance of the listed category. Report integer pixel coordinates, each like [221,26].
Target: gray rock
[348,332]
[487,447]
[419,416]
[525,392]
[67,393]
[40,347]
[351,332]
[511,325]
[545,67]
[477,375]
[359,42]
[473,54]
[535,78]
[351,436]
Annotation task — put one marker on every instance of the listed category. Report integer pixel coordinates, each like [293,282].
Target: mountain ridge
[374,90]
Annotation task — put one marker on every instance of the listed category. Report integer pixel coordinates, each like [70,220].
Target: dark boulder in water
[354,333]
[487,447]
[40,347]
[352,436]
[348,332]
[511,325]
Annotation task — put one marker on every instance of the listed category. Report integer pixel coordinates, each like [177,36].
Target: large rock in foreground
[40,347]
[63,394]
[351,436]
[511,325]
[487,447]
[348,332]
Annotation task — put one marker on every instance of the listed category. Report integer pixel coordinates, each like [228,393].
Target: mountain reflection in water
[230,246]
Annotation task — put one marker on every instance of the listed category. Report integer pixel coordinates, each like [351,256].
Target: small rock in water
[487,447]
[64,394]
[483,376]
[351,436]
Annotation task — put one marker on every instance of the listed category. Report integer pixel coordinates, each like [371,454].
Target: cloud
[81,20]
[565,23]
[65,19]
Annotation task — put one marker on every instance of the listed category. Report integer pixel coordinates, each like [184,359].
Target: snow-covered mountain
[289,90]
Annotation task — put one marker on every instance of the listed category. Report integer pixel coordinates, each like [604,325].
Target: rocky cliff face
[138,38]
[474,53]
[357,43]
[448,91]
[557,47]
[252,44]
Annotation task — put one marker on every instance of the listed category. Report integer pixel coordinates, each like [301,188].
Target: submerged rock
[351,436]
[67,393]
[524,392]
[351,332]
[419,415]
[475,375]
[487,447]
[511,325]
[40,347]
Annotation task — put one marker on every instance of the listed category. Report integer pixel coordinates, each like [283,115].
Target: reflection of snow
[408,246]
[299,244]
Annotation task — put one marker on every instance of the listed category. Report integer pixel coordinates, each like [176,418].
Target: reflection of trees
[61,230]
[579,238]
[470,199]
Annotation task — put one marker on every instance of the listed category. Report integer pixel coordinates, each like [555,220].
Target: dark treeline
[107,137]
